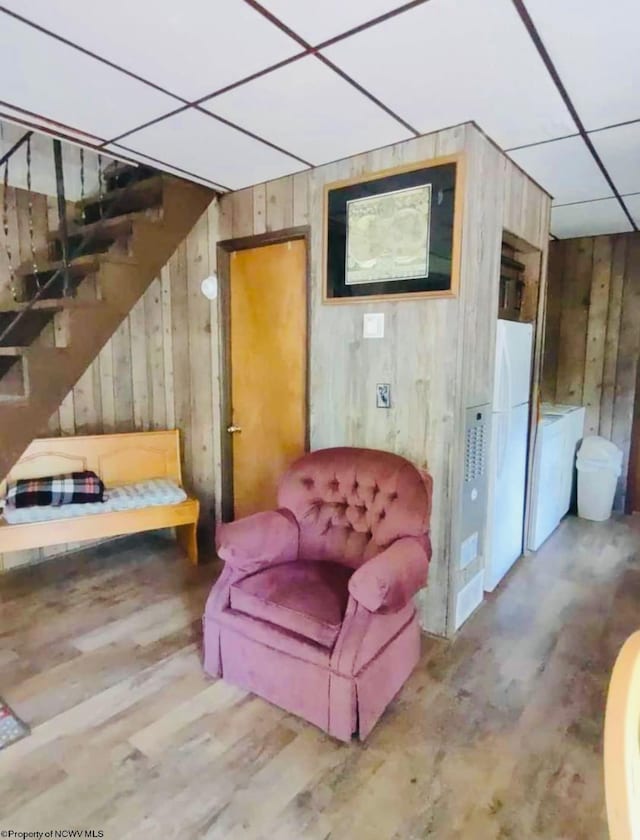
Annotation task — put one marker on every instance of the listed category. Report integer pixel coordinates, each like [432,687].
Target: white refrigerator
[508,450]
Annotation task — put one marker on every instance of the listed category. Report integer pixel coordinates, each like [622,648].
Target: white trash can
[599,464]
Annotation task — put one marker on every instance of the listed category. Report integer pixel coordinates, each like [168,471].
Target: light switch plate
[373,325]
[383,395]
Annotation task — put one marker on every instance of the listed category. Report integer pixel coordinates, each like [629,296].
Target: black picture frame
[438,272]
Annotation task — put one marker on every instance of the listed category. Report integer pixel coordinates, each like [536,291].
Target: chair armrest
[264,539]
[389,580]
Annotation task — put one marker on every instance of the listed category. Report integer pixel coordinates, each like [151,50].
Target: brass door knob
[233,429]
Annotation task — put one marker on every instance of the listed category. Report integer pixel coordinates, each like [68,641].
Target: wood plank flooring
[497,735]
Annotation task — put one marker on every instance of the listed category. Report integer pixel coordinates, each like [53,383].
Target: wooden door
[268,355]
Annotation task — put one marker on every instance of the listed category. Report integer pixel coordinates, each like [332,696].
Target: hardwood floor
[498,735]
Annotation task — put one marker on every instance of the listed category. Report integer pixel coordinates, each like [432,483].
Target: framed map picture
[394,233]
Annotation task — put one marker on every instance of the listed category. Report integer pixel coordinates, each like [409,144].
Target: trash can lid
[600,450]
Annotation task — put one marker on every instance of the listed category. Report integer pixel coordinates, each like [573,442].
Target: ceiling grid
[240,91]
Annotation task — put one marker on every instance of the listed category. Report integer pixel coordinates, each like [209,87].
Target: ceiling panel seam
[551,68]
[313,51]
[171,166]
[595,200]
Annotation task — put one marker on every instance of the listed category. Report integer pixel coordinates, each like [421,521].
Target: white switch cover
[373,325]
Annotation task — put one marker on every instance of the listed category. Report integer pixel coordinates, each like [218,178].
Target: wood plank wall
[19,240]
[418,355]
[161,368]
[593,334]
[499,198]
[158,371]
[430,346]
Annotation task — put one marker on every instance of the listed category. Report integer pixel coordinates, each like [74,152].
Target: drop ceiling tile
[589,218]
[318,21]
[190,48]
[594,47]
[450,61]
[633,206]
[335,121]
[619,149]
[212,150]
[44,76]
[565,168]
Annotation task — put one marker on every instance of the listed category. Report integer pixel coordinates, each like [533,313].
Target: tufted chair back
[352,503]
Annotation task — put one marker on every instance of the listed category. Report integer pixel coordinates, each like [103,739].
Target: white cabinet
[560,430]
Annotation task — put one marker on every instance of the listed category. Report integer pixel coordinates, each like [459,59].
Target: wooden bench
[117,459]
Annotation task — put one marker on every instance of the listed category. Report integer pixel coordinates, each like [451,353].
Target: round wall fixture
[209,287]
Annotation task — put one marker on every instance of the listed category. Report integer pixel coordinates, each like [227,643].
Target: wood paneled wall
[159,371]
[418,355]
[593,334]
[19,240]
[437,354]
[499,198]
[161,368]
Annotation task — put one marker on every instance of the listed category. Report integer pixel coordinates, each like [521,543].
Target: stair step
[78,267]
[105,229]
[135,197]
[42,313]
[52,305]
[119,174]
[14,399]
[29,328]
[93,239]
[12,351]
[105,235]
[14,381]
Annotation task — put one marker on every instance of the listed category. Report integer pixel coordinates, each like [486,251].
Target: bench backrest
[117,459]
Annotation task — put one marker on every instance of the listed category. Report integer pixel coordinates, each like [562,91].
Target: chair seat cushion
[304,597]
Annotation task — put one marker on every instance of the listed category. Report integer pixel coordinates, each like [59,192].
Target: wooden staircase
[123,238]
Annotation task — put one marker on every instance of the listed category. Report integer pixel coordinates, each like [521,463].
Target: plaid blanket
[74,488]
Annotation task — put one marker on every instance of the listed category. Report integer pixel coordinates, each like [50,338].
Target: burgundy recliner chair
[314,608]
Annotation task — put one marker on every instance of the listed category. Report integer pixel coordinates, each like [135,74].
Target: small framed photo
[394,234]
[383,395]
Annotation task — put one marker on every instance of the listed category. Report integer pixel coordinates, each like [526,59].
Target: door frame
[632,484]
[224,250]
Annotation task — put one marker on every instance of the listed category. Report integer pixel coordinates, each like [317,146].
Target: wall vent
[475,452]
